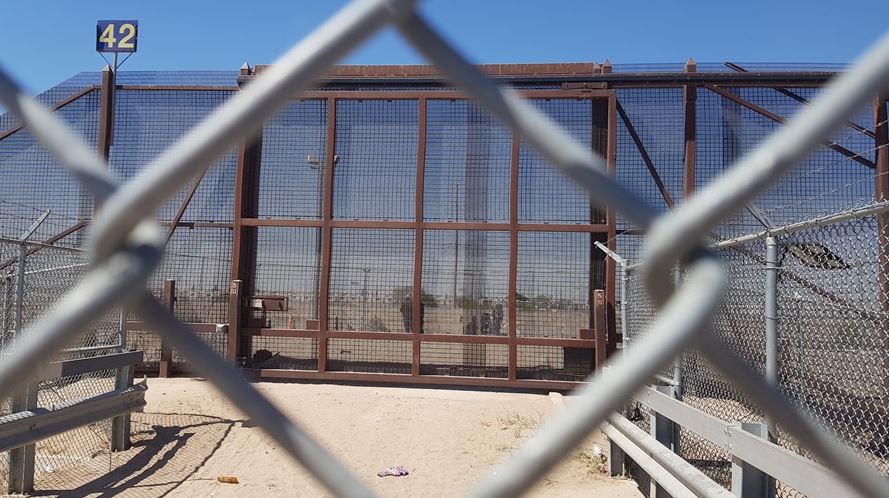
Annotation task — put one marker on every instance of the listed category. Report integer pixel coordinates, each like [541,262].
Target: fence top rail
[562,72]
[852,214]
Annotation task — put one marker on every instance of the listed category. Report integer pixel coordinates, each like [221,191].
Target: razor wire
[127,245]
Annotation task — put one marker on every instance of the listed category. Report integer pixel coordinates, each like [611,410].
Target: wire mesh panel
[290,353]
[294,152]
[468,155]
[199,260]
[371,280]
[554,282]
[545,195]
[376,159]
[369,356]
[656,115]
[836,177]
[465,282]
[32,178]
[288,265]
[557,363]
[147,121]
[464,359]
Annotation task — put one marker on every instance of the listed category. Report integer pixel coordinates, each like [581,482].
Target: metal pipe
[20,291]
[677,362]
[771,316]
[687,474]
[862,212]
[664,477]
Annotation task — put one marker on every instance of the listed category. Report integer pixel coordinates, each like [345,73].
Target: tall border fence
[631,141]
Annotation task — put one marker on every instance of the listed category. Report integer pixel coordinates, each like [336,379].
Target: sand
[447,439]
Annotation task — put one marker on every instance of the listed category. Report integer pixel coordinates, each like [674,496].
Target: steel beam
[649,164]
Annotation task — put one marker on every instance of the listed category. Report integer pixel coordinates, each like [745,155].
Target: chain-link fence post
[21,460]
[771,316]
[120,425]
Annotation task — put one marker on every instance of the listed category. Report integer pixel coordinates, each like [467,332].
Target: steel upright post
[771,315]
[123,378]
[881,192]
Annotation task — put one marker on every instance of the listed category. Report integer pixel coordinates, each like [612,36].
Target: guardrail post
[666,433]
[120,425]
[747,480]
[21,460]
[616,459]
[166,350]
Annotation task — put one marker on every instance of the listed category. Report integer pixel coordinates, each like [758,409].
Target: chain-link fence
[832,338]
[33,276]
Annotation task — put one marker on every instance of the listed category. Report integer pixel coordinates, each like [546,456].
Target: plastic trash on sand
[397,471]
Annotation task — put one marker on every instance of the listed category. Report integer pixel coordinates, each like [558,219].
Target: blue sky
[44,42]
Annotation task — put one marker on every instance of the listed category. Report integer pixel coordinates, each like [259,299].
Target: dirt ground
[189,435]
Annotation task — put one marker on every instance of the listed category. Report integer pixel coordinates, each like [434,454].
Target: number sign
[116,36]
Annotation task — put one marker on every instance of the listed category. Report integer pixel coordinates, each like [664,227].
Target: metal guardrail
[27,427]
[28,423]
[798,472]
[667,469]
[127,244]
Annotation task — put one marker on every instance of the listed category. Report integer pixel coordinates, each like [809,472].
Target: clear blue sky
[44,42]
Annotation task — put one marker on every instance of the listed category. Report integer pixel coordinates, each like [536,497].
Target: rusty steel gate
[419,240]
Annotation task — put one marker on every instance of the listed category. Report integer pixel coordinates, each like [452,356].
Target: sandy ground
[448,440]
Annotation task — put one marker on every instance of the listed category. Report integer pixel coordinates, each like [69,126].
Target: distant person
[407,310]
[472,327]
[497,320]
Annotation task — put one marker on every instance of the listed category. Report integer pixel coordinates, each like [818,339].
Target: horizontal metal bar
[434,380]
[428,225]
[81,366]
[39,244]
[567,342]
[197,327]
[697,421]
[666,380]
[802,474]
[529,73]
[690,477]
[19,429]
[656,472]
[862,212]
